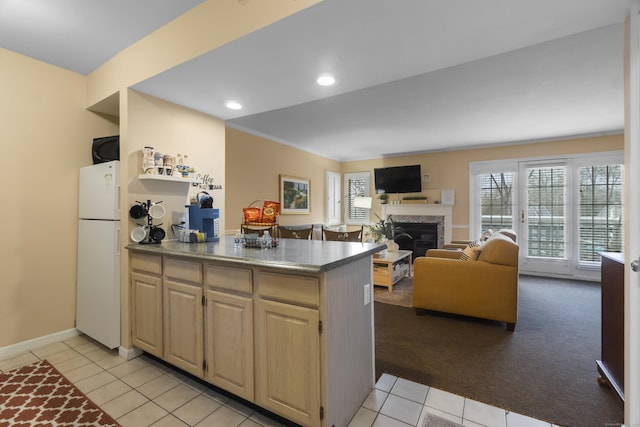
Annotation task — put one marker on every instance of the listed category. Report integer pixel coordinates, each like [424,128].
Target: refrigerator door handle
[118,241]
[118,199]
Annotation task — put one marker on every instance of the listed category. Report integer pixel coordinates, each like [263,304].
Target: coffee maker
[205,220]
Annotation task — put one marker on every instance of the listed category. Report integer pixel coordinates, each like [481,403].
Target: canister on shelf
[159,160]
[168,163]
[148,161]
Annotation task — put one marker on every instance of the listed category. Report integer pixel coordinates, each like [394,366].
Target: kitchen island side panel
[347,343]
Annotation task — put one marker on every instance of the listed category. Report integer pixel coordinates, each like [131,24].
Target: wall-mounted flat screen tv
[398,179]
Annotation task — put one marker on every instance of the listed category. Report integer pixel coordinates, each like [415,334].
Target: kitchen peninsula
[288,328]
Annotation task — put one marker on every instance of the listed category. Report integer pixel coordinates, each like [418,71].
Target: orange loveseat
[486,287]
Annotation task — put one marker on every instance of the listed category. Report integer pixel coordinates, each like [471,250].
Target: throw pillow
[486,234]
[470,253]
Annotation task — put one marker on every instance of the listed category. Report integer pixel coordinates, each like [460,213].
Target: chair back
[295,233]
[342,236]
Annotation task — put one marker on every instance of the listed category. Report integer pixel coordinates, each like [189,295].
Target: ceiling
[412,76]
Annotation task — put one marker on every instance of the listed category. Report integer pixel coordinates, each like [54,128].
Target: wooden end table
[389,268]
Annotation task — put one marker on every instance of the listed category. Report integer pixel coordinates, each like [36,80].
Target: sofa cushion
[499,249]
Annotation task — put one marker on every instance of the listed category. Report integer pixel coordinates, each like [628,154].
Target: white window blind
[496,200]
[356,184]
[601,221]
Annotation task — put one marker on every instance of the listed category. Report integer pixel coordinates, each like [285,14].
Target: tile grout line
[245,416]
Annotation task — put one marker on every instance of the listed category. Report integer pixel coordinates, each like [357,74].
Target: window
[496,200]
[600,206]
[356,184]
[564,210]
[546,227]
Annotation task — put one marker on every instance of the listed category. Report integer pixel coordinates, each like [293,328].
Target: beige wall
[46,138]
[450,169]
[247,153]
[253,168]
[47,134]
[170,129]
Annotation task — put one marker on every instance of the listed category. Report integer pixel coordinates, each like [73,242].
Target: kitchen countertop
[302,256]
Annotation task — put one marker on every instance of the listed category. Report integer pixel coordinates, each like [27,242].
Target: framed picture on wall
[295,195]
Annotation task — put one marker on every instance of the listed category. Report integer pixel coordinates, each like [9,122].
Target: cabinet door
[287,356]
[183,326]
[229,342]
[146,313]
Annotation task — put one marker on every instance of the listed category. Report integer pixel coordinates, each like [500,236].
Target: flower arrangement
[385,230]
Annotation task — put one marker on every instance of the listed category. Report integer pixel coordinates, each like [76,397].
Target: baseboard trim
[129,353]
[24,346]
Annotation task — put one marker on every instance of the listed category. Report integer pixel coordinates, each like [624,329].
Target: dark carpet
[545,369]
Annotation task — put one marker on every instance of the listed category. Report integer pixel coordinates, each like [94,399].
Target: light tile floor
[142,392]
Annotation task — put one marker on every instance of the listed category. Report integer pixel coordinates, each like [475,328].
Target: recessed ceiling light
[326,80]
[233,105]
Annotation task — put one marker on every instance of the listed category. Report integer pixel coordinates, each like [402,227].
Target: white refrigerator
[98,286]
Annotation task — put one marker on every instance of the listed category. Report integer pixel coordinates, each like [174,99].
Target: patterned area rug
[402,293]
[39,395]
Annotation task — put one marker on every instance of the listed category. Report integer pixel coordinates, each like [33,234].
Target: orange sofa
[486,287]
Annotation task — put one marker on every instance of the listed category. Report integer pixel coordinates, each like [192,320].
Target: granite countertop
[302,256]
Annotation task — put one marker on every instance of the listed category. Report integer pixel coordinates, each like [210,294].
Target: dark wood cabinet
[611,366]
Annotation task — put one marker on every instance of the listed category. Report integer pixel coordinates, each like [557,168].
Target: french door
[565,211]
[543,213]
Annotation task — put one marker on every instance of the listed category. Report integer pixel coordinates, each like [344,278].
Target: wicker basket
[260,224]
[255,243]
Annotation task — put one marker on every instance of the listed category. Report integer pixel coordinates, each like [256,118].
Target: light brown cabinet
[297,344]
[288,355]
[183,315]
[146,303]
[183,338]
[229,350]
[288,346]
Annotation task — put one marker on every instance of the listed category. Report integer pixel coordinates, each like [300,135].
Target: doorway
[564,210]
[543,212]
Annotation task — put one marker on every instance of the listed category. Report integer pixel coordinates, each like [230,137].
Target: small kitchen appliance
[205,220]
[205,200]
[105,149]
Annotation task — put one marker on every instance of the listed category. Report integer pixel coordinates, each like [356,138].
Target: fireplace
[424,236]
[429,225]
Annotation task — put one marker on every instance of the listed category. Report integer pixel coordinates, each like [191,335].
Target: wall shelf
[169,178]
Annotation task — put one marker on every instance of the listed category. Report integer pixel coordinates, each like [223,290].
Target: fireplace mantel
[422,210]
